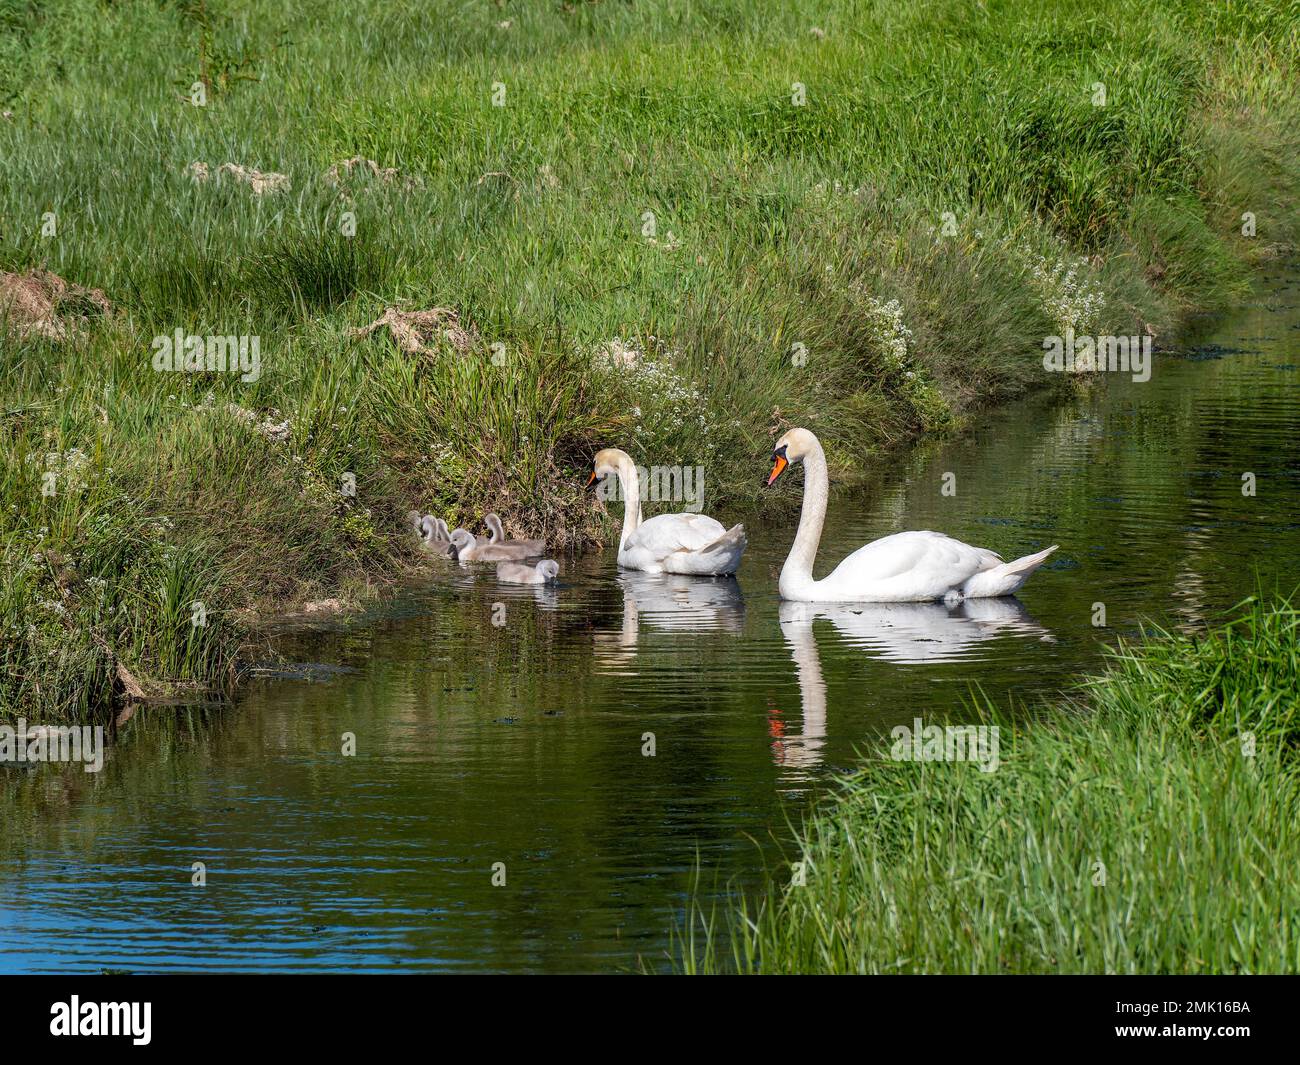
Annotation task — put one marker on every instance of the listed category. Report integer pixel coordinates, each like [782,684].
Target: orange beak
[592,479]
[777,469]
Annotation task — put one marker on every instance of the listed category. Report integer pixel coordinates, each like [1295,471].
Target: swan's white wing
[910,565]
[665,534]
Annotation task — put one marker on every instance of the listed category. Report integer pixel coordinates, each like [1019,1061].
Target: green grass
[791,225]
[1176,770]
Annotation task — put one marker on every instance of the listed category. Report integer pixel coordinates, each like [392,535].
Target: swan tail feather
[1005,579]
[716,559]
[732,539]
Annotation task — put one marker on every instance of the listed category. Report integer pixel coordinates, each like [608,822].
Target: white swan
[667,543]
[544,572]
[902,568]
[497,536]
[466,548]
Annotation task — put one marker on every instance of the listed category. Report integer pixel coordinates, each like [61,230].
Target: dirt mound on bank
[43,304]
[261,182]
[360,165]
[416,332]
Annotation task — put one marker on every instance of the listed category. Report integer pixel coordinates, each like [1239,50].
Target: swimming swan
[466,548]
[906,567]
[433,530]
[497,536]
[433,533]
[667,543]
[544,572]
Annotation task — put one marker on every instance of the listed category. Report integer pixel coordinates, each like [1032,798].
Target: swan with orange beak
[667,543]
[901,568]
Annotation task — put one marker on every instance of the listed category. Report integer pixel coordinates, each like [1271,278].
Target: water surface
[522,743]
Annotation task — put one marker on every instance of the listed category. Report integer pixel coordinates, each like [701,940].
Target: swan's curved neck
[803,552]
[494,528]
[630,486]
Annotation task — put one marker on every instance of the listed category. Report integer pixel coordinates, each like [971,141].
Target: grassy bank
[1148,827]
[676,249]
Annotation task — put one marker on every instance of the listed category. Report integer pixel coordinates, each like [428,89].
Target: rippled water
[522,743]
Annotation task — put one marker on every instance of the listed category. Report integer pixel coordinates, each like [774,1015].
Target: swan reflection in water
[545,596]
[670,602]
[905,633]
